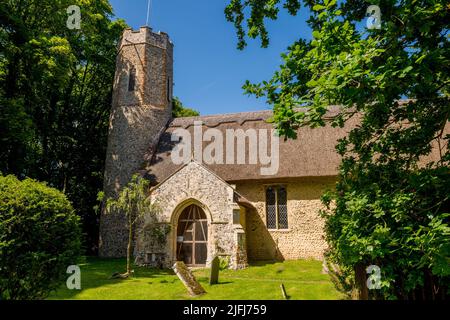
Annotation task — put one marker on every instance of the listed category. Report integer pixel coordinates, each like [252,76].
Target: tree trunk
[130,245]
[361,282]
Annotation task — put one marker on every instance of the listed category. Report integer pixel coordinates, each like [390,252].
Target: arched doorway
[192,236]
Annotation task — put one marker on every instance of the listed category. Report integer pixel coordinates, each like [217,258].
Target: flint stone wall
[138,118]
[305,237]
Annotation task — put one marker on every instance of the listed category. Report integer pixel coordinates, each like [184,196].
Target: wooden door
[192,236]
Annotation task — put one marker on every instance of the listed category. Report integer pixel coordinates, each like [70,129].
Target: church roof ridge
[241,117]
[235,117]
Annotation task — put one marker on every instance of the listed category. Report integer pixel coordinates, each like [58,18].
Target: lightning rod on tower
[148,12]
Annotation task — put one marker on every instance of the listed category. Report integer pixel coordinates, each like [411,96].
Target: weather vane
[148,12]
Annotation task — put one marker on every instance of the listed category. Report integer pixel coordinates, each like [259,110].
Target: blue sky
[209,69]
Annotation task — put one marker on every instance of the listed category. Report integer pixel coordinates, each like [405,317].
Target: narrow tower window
[169,89]
[132,79]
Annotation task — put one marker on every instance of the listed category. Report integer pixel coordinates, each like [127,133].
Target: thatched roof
[312,154]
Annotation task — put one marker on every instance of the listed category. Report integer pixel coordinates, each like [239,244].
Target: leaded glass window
[276,207]
[271,210]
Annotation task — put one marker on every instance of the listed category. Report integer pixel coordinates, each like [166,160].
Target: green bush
[40,237]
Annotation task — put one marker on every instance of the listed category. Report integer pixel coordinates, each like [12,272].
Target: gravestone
[215,266]
[325,269]
[188,279]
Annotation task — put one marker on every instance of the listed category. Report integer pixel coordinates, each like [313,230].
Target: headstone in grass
[215,266]
[325,269]
[283,292]
[188,279]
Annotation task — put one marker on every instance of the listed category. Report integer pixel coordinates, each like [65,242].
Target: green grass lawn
[302,279]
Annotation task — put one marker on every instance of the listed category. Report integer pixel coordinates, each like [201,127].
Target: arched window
[132,79]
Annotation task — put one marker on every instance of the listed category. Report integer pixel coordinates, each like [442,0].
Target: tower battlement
[145,35]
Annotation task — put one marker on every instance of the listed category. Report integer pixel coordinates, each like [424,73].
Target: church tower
[141,110]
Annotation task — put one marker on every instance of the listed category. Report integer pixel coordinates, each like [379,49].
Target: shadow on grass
[96,272]
[263,263]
